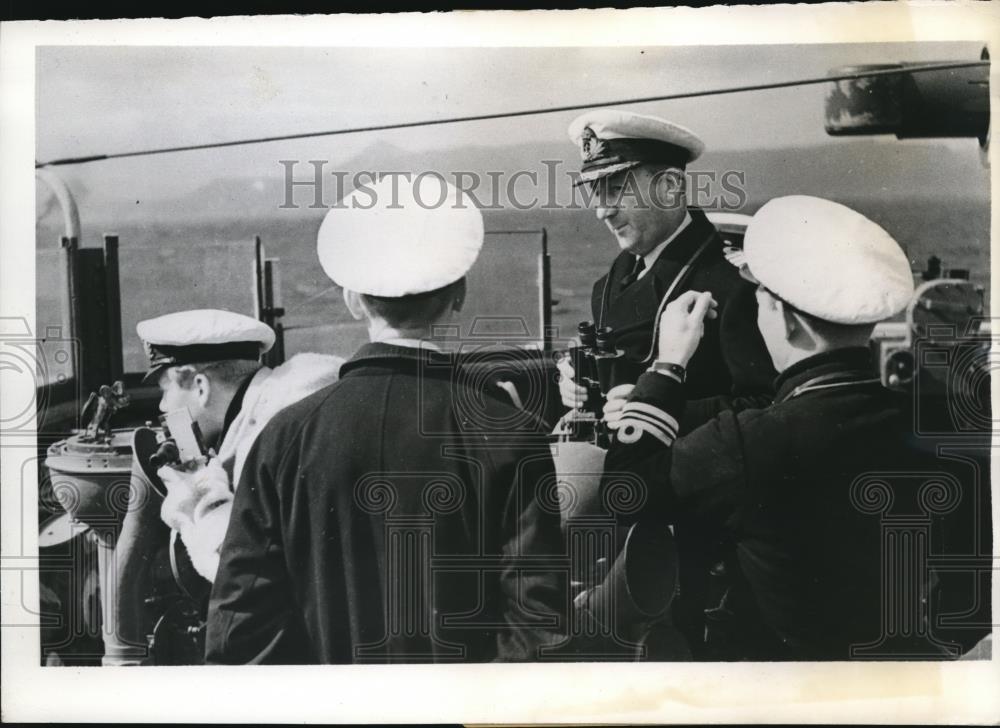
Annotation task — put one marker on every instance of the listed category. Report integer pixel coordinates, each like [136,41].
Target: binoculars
[593,362]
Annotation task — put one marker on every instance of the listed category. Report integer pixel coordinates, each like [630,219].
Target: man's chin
[627,246]
[626,243]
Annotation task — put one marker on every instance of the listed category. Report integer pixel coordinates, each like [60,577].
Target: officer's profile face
[180,392]
[641,206]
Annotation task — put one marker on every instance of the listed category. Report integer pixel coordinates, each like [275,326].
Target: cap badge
[591,147]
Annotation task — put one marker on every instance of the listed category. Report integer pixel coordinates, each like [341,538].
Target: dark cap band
[162,356]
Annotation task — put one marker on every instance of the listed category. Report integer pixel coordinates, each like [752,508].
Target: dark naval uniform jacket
[394,516]
[731,366]
[796,488]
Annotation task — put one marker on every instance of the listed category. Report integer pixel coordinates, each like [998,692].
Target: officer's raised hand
[572,394]
[682,325]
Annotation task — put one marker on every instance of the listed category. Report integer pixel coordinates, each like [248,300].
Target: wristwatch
[670,369]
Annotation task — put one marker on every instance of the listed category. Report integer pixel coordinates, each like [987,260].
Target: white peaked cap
[399,236]
[827,260]
[205,326]
[207,334]
[613,140]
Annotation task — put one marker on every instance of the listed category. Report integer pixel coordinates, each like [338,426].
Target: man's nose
[606,210]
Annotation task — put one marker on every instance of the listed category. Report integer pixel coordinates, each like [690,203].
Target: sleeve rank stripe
[635,422]
[653,413]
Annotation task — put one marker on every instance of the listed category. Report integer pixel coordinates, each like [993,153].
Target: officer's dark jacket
[731,360]
[384,518]
[795,487]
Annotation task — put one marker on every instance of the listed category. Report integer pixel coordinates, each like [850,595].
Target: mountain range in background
[932,197]
[843,169]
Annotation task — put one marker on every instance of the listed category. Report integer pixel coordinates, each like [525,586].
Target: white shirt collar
[650,257]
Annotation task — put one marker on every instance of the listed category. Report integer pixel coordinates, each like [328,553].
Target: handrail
[71,215]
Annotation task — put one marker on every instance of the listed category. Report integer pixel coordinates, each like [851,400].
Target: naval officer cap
[400,237]
[191,337]
[827,260]
[611,141]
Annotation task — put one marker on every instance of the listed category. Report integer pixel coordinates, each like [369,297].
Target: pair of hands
[186,487]
[682,324]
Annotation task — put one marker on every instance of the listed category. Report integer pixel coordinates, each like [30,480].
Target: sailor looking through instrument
[207,364]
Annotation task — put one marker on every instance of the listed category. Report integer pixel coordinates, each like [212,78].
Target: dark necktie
[637,267]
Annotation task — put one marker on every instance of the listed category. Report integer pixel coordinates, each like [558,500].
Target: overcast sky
[111,99]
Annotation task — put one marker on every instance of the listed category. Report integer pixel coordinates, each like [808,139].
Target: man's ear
[669,186]
[676,177]
[203,387]
[795,330]
[353,301]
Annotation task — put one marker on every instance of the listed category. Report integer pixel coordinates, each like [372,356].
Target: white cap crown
[400,236]
[828,260]
[205,326]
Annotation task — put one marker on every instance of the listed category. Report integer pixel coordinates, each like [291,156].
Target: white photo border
[545,693]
